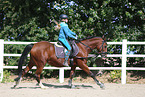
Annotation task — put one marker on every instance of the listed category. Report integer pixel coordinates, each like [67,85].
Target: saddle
[60,50]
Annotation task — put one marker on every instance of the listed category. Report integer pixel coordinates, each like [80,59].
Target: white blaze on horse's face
[103,49]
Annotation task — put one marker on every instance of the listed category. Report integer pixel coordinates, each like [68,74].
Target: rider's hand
[76,37]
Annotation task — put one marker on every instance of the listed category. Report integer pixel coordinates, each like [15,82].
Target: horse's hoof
[102,86]
[15,84]
[44,87]
[73,87]
[70,83]
[99,74]
[13,87]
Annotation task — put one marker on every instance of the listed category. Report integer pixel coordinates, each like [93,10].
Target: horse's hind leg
[28,67]
[72,73]
[37,75]
[40,66]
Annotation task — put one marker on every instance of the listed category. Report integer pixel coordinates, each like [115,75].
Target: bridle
[104,41]
[96,52]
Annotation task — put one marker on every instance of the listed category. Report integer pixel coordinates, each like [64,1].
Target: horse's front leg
[72,74]
[98,82]
[19,78]
[82,64]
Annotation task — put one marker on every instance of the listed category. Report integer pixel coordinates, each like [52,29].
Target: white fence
[123,68]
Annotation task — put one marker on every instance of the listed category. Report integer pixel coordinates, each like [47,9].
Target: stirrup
[65,63]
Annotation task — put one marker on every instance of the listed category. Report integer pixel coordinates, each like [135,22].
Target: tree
[31,20]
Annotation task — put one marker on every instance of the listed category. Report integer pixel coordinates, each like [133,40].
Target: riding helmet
[63,16]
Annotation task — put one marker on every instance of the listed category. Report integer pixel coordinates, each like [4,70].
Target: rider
[64,34]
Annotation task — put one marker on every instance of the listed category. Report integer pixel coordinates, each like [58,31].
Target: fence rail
[123,68]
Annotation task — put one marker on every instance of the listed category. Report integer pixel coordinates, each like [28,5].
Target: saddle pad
[59,51]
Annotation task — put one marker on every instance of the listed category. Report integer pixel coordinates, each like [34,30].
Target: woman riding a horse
[64,35]
[44,52]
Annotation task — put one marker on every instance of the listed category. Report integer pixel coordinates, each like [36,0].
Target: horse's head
[96,43]
[102,48]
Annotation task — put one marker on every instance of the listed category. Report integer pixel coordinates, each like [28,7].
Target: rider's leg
[67,52]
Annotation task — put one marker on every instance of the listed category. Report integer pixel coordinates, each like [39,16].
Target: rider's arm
[71,32]
[68,32]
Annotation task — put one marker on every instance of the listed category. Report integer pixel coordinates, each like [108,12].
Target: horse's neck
[92,43]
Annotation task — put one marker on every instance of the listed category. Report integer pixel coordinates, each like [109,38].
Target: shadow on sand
[55,86]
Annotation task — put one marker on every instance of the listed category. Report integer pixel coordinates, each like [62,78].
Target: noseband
[104,41]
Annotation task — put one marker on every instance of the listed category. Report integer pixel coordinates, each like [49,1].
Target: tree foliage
[31,20]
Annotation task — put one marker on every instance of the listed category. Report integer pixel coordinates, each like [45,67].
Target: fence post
[61,75]
[1,58]
[124,50]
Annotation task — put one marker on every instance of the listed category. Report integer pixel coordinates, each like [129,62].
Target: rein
[85,45]
[96,53]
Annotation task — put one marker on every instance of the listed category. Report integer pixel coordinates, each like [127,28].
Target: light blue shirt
[65,32]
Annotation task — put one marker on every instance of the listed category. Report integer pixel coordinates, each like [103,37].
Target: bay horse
[44,52]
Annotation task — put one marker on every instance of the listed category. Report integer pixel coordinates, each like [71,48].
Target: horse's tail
[23,57]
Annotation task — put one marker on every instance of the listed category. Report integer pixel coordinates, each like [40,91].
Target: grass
[6,77]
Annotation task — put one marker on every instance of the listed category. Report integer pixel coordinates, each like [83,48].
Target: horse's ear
[103,37]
